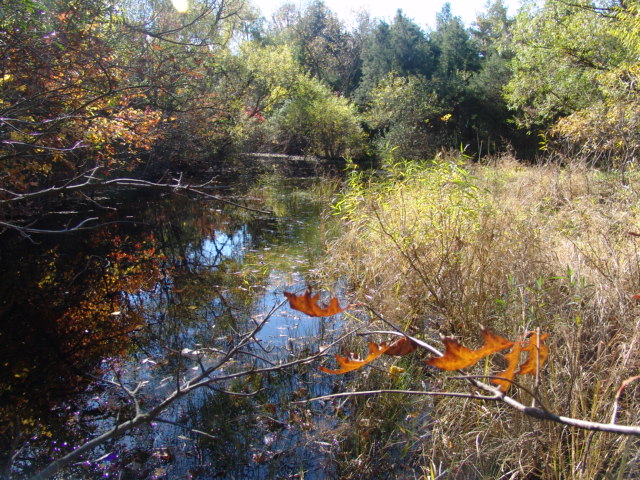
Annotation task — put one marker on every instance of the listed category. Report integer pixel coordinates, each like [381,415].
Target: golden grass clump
[440,247]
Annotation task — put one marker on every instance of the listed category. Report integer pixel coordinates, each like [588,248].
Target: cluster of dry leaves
[455,357]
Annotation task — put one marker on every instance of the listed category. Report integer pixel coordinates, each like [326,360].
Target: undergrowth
[440,247]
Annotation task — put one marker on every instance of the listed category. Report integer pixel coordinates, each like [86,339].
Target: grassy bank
[441,247]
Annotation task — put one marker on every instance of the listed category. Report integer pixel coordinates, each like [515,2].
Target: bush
[315,121]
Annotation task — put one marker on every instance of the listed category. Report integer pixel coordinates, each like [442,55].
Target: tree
[401,48]
[262,78]
[316,121]
[321,43]
[457,59]
[406,114]
[606,131]
[561,51]
[491,33]
[93,90]
[455,51]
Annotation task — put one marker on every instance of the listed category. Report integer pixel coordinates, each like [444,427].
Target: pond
[99,323]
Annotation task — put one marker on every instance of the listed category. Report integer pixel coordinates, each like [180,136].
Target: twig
[614,415]
[404,392]
[497,395]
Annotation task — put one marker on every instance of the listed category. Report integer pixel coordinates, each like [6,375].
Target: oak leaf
[456,356]
[531,366]
[307,303]
[401,347]
[509,373]
[350,363]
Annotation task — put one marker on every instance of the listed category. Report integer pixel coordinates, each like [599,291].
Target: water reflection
[154,302]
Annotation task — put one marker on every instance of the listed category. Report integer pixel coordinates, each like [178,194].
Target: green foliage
[321,43]
[403,112]
[450,94]
[455,52]
[326,49]
[316,121]
[265,76]
[491,30]
[401,47]
[561,51]
[575,70]
[607,131]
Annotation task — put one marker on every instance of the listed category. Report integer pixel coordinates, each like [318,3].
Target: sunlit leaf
[509,373]
[350,363]
[530,366]
[457,356]
[308,303]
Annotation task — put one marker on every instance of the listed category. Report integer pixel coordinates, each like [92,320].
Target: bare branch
[497,395]
[92,182]
[89,181]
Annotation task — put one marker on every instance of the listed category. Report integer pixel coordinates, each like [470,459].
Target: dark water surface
[168,284]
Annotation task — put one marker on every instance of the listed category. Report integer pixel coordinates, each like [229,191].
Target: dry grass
[440,248]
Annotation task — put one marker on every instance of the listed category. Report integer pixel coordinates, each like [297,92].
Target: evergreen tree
[401,48]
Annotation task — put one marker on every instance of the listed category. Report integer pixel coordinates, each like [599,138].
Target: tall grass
[439,247]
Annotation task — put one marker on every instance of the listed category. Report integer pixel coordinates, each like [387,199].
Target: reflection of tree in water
[67,307]
[148,302]
[63,311]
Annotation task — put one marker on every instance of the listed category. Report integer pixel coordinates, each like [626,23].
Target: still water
[98,321]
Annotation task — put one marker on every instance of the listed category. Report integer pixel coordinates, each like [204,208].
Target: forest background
[137,86]
[92,91]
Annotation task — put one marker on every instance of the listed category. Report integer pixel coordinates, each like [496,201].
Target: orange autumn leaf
[530,366]
[507,376]
[350,363]
[401,347]
[307,303]
[457,356]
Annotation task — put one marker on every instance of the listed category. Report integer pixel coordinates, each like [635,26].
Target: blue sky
[423,12]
